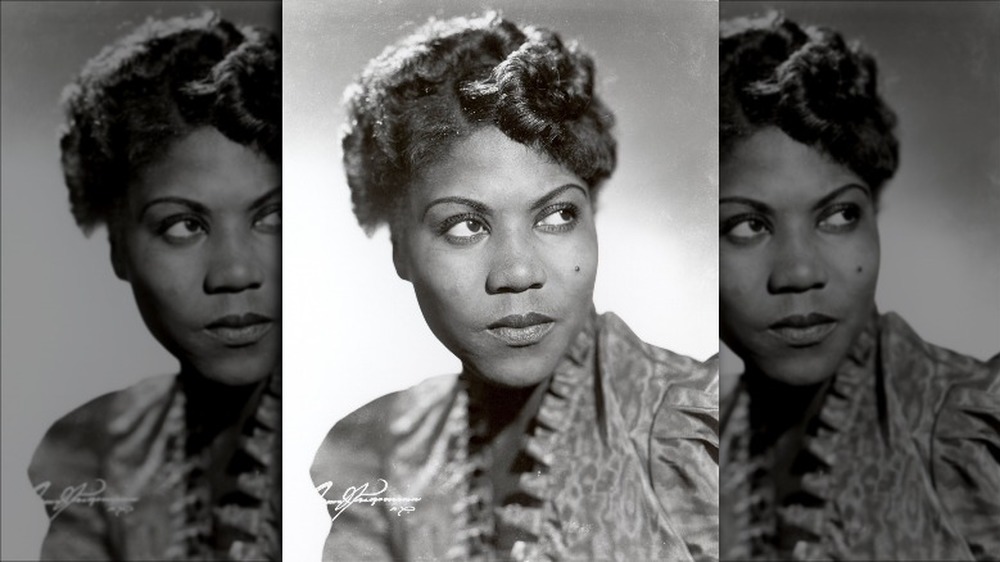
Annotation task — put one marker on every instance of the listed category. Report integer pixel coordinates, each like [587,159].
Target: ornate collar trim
[533,520]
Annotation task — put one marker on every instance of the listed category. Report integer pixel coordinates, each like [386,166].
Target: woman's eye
[468,228]
[558,219]
[746,230]
[183,230]
[841,218]
[270,222]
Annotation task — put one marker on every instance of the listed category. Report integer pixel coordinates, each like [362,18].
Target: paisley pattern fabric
[130,476]
[620,463]
[900,462]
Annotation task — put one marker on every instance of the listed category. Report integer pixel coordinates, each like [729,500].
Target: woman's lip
[803,336]
[237,321]
[521,321]
[521,337]
[239,330]
[802,321]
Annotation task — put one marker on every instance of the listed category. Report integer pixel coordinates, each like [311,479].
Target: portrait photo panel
[859,280]
[357,330]
[72,330]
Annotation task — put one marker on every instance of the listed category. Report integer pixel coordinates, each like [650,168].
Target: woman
[848,437]
[481,144]
[173,141]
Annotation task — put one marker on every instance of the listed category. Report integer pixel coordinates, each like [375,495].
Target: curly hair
[156,85]
[453,76]
[810,84]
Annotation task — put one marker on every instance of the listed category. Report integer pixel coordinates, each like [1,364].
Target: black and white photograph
[473,379]
[565,280]
[860,280]
[141,280]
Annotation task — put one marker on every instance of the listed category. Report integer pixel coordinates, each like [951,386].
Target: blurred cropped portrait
[848,435]
[170,143]
[477,149]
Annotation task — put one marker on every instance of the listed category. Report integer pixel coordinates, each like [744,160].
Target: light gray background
[939,65]
[353,330]
[70,328]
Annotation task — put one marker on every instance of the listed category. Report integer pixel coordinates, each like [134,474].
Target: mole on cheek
[860,269]
[577,269]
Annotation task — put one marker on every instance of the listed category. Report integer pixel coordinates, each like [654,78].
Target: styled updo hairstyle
[810,84]
[449,78]
[153,87]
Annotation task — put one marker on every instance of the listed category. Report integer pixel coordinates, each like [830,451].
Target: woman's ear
[115,224]
[118,261]
[399,258]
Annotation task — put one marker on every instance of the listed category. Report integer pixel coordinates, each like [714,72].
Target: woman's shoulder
[359,441]
[674,409]
[355,455]
[661,376]
[956,399]
[76,461]
[76,444]
[928,379]
[900,344]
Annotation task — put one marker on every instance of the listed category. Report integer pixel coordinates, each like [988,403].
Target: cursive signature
[85,493]
[401,509]
[362,494]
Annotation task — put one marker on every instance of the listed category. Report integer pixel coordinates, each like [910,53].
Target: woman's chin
[236,372]
[512,374]
[797,371]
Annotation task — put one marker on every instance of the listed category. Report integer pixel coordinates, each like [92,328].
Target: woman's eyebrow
[486,210]
[543,200]
[752,203]
[472,203]
[826,199]
[174,200]
[266,198]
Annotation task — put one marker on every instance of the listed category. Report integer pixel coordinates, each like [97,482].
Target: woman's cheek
[579,256]
[858,265]
[741,281]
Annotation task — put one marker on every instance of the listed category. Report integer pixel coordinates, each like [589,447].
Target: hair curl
[156,85]
[448,78]
[810,84]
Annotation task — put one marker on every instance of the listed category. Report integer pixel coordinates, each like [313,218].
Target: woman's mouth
[521,330]
[803,330]
[239,330]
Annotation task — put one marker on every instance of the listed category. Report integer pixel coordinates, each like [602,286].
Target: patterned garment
[137,474]
[619,463]
[900,461]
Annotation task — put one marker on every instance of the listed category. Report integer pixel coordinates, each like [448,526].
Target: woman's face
[799,256]
[499,243]
[201,246]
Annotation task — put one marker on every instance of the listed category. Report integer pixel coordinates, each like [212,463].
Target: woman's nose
[798,266]
[516,265]
[234,264]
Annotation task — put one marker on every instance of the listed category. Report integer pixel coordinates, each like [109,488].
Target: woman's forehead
[771,166]
[487,164]
[206,166]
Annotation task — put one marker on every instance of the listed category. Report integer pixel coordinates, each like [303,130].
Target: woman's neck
[777,407]
[499,427]
[214,408]
[503,407]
